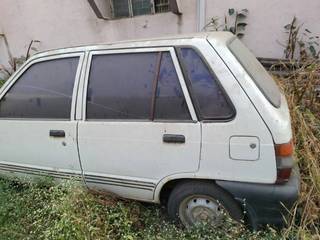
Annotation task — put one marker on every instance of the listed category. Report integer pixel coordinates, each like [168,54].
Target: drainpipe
[201,14]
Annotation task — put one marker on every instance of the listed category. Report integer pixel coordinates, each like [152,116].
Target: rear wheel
[194,203]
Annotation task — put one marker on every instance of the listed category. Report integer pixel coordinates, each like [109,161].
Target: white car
[194,122]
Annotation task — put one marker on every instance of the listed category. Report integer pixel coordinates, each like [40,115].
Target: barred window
[131,8]
[161,6]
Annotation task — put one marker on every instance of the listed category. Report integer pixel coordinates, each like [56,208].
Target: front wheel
[195,202]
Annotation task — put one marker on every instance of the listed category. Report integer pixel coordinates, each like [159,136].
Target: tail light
[284,160]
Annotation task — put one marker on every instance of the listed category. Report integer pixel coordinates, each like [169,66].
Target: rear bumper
[265,203]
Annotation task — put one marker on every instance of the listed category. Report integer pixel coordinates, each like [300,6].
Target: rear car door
[37,127]
[138,125]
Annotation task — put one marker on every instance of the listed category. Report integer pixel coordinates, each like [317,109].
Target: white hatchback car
[194,122]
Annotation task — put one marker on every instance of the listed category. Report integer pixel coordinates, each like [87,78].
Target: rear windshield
[257,72]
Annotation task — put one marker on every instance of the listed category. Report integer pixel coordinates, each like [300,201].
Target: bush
[304,105]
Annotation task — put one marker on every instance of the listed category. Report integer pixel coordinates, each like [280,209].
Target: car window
[43,91]
[258,73]
[120,86]
[170,101]
[207,93]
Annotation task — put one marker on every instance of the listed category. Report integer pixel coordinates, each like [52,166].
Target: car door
[37,127]
[138,124]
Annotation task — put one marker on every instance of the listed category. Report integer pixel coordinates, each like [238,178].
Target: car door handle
[173,138]
[57,133]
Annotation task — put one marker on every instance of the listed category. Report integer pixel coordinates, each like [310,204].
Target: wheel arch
[166,185]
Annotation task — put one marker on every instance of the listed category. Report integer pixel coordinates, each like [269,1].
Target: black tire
[187,189]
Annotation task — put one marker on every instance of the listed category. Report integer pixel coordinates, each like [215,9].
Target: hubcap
[201,209]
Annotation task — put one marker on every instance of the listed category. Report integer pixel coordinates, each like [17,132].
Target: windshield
[256,71]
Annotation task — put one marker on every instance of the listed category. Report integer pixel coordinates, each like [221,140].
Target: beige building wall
[266,20]
[61,23]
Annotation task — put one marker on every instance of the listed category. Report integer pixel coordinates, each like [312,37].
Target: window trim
[155,84]
[9,84]
[136,50]
[192,95]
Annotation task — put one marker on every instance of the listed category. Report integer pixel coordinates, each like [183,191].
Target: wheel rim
[201,209]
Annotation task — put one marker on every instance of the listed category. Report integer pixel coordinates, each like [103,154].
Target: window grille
[141,7]
[161,6]
[130,8]
[121,8]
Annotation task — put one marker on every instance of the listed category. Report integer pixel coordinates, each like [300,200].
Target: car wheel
[194,203]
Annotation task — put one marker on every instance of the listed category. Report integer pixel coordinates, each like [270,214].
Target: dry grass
[299,88]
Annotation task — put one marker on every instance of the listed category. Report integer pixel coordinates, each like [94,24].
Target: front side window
[141,86]
[43,91]
[207,94]
[131,8]
[120,86]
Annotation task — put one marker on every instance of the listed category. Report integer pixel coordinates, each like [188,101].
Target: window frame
[189,86]
[10,83]
[130,10]
[137,50]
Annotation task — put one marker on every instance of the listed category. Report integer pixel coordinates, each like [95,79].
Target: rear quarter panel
[215,160]
[277,119]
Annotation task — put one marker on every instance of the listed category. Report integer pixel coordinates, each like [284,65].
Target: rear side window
[257,72]
[43,91]
[170,101]
[208,96]
[135,86]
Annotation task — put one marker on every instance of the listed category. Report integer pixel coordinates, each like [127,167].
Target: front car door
[138,124]
[37,127]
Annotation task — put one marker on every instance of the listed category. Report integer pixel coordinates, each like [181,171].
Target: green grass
[2,82]
[69,211]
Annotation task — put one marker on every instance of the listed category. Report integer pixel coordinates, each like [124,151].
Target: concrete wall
[61,23]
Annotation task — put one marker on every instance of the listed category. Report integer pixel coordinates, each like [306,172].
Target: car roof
[170,40]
